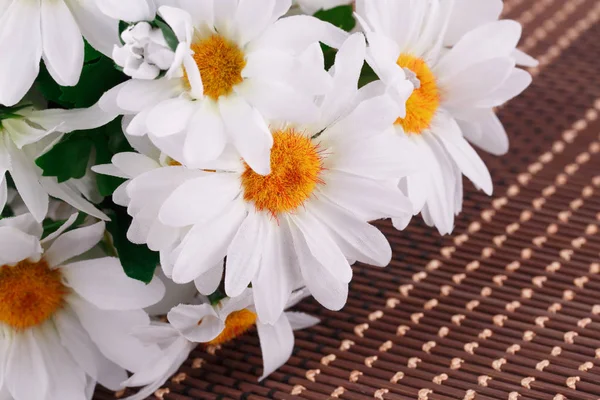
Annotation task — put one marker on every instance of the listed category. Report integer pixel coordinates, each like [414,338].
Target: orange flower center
[220,63]
[296,167]
[30,293]
[236,324]
[424,101]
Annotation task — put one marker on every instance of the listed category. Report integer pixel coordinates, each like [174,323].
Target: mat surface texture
[508,307]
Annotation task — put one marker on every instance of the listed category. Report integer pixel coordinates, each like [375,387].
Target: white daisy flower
[52,30]
[66,324]
[297,226]
[216,325]
[145,52]
[456,90]
[235,65]
[26,134]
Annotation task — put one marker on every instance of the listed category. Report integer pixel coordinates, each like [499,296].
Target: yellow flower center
[296,166]
[30,293]
[220,63]
[424,101]
[236,324]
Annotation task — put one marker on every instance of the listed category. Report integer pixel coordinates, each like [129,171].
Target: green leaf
[97,76]
[367,75]
[67,159]
[122,27]
[341,16]
[108,141]
[216,297]
[168,33]
[138,261]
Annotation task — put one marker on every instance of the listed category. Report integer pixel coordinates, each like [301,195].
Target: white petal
[492,137]
[243,255]
[74,243]
[465,157]
[516,83]
[137,95]
[206,244]
[170,116]
[323,247]
[276,344]
[26,175]
[492,40]
[131,11]
[209,282]
[366,198]
[111,331]
[299,320]
[24,223]
[134,164]
[200,200]
[98,29]
[273,284]
[327,289]
[66,193]
[470,14]
[21,49]
[252,18]
[76,340]
[66,225]
[179,20]
[358,239]
[249,133]
[197,323]
[24,363]
[17,246]
[205,139]
[103,283]
[62,41]
[110,170]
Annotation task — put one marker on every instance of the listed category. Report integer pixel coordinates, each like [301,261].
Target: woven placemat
[506,308]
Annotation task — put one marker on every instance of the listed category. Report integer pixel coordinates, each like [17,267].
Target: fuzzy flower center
[220,62]
[424,101]
[296,166]
[236,324]
[30,293]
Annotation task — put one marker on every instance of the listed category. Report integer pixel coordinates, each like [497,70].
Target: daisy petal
[276,344]
[197,323]
[74,243]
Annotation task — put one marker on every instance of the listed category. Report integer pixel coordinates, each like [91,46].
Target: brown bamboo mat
[506,308]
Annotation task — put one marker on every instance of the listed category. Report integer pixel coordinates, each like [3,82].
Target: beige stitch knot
[559,397]
[470,395]
[457,319]
[458,278]
[512,306]
[328,359]
[483,380]
[554,308]
[499,240]
[392,302]
[456,363]
[570,337]
[553,267]
[556,351]
[338,392]
[424,394]
[419,276]
[528,336]
[431,304]
[369,361]
[160,393]
[375,315]
[386,346]
[416,317]
[470,347]
[346,344]
[438,380]
[513,266]
[513,395]
[428,346]
[182,376]
[297,389]
[542,365]
[499,319]
[443,332]
[473,304]
[572,382]
[513,349]
[447,251]
[526,382]
[198,363]
[397,377]
[473,266]
[359,330]
[413,362]
[586,366]
[380,393]
[402,329]
[497,364]
[446,290]
[433,265]
[568,295]
[405,289]
[354,375]
[581,281]
[512,228]
[485,334]
[527,293]
[311,374]
[582,323]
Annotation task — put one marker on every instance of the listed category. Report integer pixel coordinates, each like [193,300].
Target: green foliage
[98,75]
[167,32]
[341,16]
[138,261]
[216,297]
[70,157]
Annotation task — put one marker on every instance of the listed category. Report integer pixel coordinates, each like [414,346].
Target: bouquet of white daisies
[216,161]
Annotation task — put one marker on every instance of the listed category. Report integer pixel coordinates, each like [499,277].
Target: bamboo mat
[506,308]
